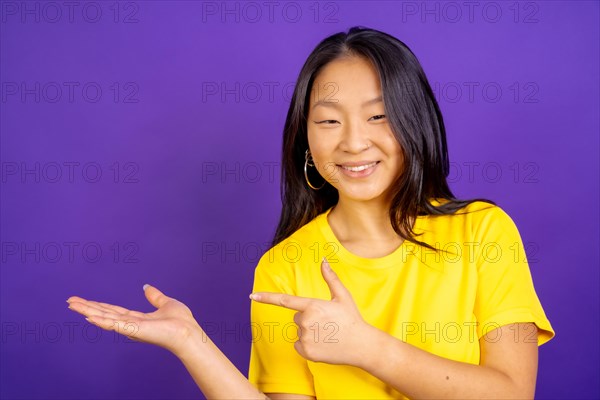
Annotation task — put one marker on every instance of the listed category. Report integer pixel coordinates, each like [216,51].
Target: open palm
[168,327]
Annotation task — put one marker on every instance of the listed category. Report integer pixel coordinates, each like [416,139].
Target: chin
[359,194]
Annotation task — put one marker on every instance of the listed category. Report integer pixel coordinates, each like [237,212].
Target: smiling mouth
[358,168]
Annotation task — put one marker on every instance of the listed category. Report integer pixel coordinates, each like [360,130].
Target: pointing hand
[330,331]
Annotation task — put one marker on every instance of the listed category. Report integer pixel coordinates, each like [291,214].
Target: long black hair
[414,117]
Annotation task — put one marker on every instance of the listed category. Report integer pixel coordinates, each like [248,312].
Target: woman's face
[345,115]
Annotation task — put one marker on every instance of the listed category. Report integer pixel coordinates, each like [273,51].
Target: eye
[327,121]
[377,117]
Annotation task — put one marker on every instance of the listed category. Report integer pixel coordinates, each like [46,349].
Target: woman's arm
[507,370]
[508,362]
[173,327]
[217,377]
[212,371]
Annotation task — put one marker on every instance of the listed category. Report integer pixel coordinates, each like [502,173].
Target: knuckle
[303,340]
[318,310]
[304,325]
[284,300]
[299,349]
[309,353]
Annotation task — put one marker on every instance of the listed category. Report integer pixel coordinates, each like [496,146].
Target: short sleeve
[275,365]
[505,290]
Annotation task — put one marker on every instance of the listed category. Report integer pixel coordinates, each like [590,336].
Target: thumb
[155,296]
[336,287]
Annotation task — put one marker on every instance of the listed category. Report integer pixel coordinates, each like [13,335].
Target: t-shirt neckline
[346,256]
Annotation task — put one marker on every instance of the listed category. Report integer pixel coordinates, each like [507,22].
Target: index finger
[283,300]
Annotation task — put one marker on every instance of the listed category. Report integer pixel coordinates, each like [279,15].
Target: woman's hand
[330,331]
[170,326]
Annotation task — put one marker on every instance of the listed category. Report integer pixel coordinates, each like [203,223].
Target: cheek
[399,167]
[396,153]
[322,159]
[315,143]
[310,135]
[394,147]
[324,164]
[320,148]
[399,156]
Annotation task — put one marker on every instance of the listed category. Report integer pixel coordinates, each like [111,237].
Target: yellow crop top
[442,303]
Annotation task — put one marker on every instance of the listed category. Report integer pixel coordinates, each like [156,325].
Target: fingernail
[326,263]
[254,296]
[145,287]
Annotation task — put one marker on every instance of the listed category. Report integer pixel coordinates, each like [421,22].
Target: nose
[354,138]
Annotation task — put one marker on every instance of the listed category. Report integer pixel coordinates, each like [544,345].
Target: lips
[358,165]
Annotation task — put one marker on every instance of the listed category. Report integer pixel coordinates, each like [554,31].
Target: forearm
[420,374]
[212,371]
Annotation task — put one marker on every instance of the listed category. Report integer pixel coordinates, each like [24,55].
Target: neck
[362,220]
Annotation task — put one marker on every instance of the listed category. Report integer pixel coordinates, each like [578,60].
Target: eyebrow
[334,104]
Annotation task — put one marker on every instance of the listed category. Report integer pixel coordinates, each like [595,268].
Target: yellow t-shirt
[440,303]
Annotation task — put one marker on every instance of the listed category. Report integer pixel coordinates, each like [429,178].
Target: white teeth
[359,168]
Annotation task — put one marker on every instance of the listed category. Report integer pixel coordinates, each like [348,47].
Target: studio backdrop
[141,141]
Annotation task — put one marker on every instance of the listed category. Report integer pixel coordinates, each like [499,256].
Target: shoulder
[296,246]
[476,219]
[493,233]
[475,207]
[489,219]
[282,265]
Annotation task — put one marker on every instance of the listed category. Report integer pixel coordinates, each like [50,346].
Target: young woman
[379,283]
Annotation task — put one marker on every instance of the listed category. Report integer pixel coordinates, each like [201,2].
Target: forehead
[346,79]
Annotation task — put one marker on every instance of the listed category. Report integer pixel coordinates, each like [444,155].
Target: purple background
[186,133]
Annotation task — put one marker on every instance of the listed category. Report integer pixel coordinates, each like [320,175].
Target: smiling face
[346,114]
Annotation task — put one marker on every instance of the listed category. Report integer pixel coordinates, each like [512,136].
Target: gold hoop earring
[308,162]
